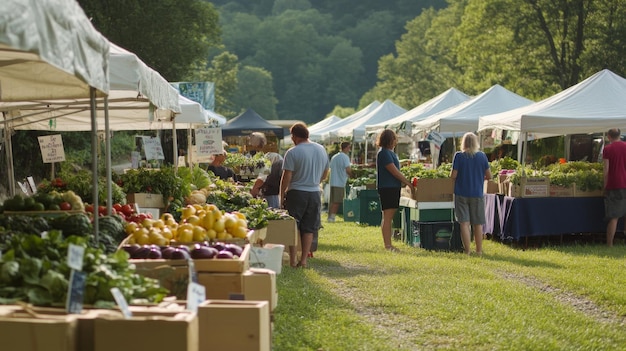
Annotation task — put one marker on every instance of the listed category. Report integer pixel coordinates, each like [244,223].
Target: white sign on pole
[435,138]
[209,141]
[152,148]
[51,148]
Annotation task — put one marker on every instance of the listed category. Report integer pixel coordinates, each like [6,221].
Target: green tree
[171,36]
[255,90]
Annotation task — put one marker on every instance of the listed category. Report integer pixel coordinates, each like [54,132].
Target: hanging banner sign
[51,148]
[152,148]
[208,141]
[200,92]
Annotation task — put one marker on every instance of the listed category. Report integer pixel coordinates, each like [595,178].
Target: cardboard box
[148,329]
[221,285]
[173,275]
[583,193]
[234,325]
[282,231]
[434,190]
[22,331]
[491,187]
[260,285]
[561,191]
[531,187]
[146,200]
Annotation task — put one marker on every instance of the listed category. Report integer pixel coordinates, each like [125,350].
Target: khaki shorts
[469,209]
[337,194]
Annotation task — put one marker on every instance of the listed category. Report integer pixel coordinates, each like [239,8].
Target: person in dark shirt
[219,169]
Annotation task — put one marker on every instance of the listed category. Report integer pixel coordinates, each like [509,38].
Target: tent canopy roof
[594,105]
[249,122]
[55,42]
[319,134]
[464,116]
[356,128]
[447,99]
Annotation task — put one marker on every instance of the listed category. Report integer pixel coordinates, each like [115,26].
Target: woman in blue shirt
[470,169]
[389,181]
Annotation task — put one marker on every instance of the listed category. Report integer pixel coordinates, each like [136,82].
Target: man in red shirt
[614,159]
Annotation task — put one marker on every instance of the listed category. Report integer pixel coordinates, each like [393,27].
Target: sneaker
[331,219]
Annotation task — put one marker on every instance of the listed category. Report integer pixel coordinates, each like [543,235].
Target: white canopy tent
[355,130]
[402,124]
[50,50]
[317,136]
[596,104]
[464,117]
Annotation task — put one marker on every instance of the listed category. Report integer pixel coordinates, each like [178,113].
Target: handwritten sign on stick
[152,148]
[51,148]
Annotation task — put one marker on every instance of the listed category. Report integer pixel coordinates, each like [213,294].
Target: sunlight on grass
[357,296]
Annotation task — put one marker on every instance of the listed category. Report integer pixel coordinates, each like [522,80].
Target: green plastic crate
[437,236]
[365,209]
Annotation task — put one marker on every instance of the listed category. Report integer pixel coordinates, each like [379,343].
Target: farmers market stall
[511,218]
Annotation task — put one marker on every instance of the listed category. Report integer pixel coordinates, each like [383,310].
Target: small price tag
[76,292]
[75,255]
[196,294]
[121,302]
[193,275]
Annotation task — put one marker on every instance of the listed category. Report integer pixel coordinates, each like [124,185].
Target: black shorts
[389,198]
[305,207]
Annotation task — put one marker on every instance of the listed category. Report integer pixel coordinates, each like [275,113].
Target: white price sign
[75,255]
[121,302]
[51,148]
[209,141]
[196,294]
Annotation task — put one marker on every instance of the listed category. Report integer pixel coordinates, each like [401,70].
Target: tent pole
[94,160]
[189,159]
[365,158]
[8,147]
[107,150]
[524,152]
[175,144]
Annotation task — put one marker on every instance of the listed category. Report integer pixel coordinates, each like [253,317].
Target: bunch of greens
[421,172]
[34,269]
[587,176]
[165,181]
[81,182]
[362,176]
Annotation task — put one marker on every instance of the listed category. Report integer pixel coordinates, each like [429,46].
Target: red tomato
[89,208]
[128,209]
[65,206]
[102,210]
[117,207]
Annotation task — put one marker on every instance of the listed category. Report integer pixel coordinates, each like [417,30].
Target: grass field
[357,296]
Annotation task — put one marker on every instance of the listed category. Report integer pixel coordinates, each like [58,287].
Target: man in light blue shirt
[305,166]
[340,170]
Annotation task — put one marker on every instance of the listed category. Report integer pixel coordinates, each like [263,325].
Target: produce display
[198,223]
[34,269]
[204,250]
[42,201]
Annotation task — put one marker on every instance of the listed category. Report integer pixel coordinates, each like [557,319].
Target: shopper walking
[305,166]
[470,169]
[389,182]
[614,163]
[340,171]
